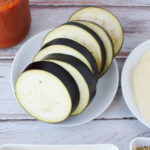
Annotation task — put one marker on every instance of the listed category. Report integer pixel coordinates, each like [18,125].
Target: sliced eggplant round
[81,74]
[104,18]
[101,45]
[80,35]
[47,92]
[106,39]
[68,47]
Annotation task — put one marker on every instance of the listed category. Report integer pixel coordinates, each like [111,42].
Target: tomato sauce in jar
[15,20]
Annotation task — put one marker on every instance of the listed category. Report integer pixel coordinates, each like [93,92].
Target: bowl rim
[146,139]
[137,53]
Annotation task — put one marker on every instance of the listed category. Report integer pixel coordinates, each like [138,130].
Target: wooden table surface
[116,125]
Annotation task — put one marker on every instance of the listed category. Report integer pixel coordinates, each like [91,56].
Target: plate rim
[64,125]
[41,146]
[104,109]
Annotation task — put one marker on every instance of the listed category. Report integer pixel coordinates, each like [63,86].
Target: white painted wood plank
[135,22]
[18,127]
[11,109]
[91,2]
[119,132]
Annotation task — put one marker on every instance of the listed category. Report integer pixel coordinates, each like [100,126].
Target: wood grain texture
[91,2]
[119,132]
[136,25]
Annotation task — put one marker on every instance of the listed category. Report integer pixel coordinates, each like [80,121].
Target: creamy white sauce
[141,83]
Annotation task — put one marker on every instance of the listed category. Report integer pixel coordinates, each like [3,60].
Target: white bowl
[106,88]
[139,142]
[59,147]
[126,79]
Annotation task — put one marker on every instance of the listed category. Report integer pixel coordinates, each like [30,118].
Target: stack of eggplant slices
[61,81]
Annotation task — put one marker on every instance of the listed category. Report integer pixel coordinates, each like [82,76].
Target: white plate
[106,88]
[59,147]
[126,79]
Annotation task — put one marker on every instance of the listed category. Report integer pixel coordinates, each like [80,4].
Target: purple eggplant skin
[78,47]
[81,67]
[101,45]
[63,75]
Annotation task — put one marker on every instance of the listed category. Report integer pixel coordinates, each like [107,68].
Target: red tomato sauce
[15,20]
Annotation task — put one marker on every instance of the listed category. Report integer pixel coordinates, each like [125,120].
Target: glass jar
[15,20]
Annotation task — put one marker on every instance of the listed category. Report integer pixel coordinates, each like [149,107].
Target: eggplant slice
[68,47]
[80,35]
[81,74]
[101,45]
[47,92]
[104,18]
[106,39]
